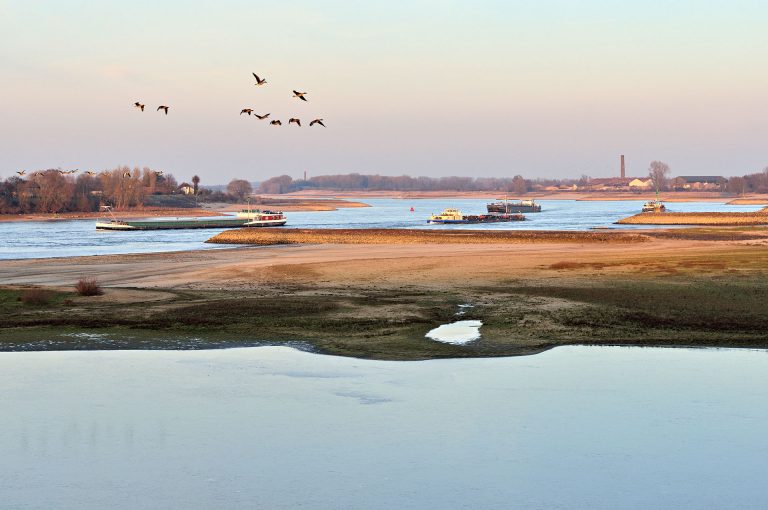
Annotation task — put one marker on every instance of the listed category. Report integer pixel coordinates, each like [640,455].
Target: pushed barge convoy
[454,216]
[521,206]
[243,219]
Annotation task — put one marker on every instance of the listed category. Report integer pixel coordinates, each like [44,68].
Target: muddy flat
[379,300]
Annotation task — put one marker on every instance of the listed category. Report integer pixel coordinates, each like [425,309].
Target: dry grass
[88,286]
[36,297]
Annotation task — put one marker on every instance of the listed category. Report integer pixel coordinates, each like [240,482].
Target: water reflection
[579,427]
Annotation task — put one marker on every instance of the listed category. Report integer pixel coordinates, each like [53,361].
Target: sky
[546,88]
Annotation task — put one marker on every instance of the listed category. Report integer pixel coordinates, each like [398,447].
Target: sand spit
[275,236]
[698,218]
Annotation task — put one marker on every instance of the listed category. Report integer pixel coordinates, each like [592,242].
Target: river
[68,238]
[276,428]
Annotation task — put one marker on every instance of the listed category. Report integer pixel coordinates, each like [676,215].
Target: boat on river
[654,206]
[519,206]
[455,216]
[243,219]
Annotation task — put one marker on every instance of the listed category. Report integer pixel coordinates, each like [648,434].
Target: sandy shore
[698,218]
[206,210]
[276,236]
[677,196]
[379,300]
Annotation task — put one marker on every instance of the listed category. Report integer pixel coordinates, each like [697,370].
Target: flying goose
[139,106]
[294,121]
[261,117]
[316,121]
[246,110]
[22,172]
[276,123]
[126,175]
[259,81]
[163,108]
[158,172]
[300,95]
[90,173]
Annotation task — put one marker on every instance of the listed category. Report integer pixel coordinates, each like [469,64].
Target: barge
[521,206]
[242,220]
[455,216]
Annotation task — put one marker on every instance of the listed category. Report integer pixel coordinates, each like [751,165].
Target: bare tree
[239,188]
[519,185]
[737,185]
[659,174]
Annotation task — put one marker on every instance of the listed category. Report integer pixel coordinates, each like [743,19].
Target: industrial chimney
[622,167]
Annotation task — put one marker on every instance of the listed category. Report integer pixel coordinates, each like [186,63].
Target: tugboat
[654,206]
[521,206]
[454,216]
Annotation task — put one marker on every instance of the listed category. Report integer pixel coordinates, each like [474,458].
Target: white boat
[262,218]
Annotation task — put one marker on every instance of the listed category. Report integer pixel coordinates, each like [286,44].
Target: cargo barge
[521,206]
[242,220]
[454,216]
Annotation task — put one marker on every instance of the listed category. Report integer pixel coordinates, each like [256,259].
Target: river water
[276,428]
[60,238]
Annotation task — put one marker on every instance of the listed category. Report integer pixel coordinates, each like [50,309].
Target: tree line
[360,182]
[52,191]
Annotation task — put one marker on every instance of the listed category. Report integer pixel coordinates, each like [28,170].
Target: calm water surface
[275,428]
[79,237]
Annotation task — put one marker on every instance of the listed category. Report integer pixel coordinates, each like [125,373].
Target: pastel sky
[545,88]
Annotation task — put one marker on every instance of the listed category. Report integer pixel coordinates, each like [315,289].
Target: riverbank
[671,196]
[738,219]
[205,210]
[379,300]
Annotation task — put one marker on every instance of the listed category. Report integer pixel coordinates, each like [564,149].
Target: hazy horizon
[491,89]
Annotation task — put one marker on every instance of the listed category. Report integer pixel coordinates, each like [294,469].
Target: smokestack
[622,167]
[305,173]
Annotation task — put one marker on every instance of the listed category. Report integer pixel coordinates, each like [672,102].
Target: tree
[519,186]
[195,183]
[282,184]
[239,188]
[659,173]
[737,185]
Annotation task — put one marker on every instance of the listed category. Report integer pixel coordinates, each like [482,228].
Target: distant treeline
[750,183]
[358,182]
[54,191]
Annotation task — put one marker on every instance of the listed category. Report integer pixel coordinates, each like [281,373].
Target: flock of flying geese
[249,111]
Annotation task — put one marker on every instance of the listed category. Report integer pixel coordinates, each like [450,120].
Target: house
[640,184]
[619,184]
[699,182]
[187,188]
[609,183]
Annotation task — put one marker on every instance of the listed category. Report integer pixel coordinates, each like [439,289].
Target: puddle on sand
[458,333]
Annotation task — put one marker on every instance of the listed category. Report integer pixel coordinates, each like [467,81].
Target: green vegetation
[519,318]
